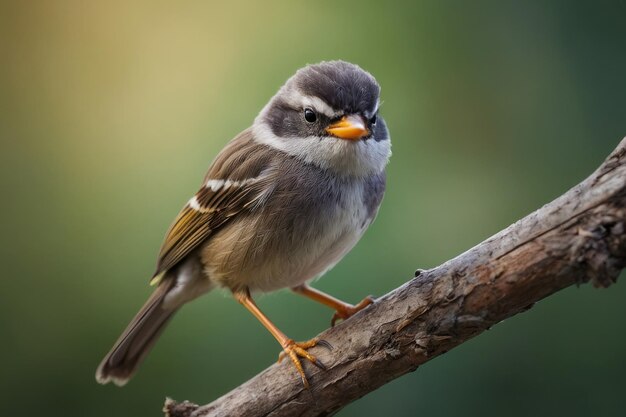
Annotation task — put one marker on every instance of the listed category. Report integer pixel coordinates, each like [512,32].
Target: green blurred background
[111,112]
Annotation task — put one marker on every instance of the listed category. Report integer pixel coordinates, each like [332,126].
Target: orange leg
[342,310]
[295,350]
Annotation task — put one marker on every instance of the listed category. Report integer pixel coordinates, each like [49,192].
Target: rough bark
[579,237]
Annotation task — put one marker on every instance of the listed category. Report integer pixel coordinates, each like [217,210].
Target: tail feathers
[119,365]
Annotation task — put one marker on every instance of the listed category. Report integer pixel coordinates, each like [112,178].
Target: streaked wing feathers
[233,184]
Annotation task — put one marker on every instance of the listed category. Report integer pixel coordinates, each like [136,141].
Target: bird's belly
[298,268]
[239,256]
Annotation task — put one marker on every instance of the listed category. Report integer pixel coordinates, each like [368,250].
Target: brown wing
[237,181]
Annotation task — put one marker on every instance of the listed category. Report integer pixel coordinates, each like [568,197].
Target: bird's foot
[297,350]
[348,310]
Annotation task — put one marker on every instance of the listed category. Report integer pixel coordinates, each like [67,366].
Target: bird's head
[327,115]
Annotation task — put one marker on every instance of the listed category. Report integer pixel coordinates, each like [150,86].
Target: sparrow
[281,204]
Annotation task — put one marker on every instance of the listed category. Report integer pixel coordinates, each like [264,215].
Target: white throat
[358,159]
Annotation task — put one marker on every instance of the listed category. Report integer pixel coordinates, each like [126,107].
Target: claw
[297,350]
[326,344]
[320,365]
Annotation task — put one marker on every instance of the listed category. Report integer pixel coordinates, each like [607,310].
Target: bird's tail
[131,348]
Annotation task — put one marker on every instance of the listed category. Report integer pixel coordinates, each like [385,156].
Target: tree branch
[577,238]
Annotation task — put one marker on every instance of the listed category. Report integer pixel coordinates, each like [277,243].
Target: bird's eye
[309,115]
[373,120]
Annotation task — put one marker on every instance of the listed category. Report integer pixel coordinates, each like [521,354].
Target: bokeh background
[110,113]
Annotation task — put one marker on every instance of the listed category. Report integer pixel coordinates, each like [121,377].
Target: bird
[281,204]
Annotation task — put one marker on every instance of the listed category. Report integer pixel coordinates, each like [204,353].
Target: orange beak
[349,127]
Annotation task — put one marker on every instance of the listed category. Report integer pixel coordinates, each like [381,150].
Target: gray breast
[314,201]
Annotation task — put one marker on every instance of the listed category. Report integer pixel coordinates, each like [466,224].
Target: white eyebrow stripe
[376,107]
[297,99]
[369,114]
[319,105]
